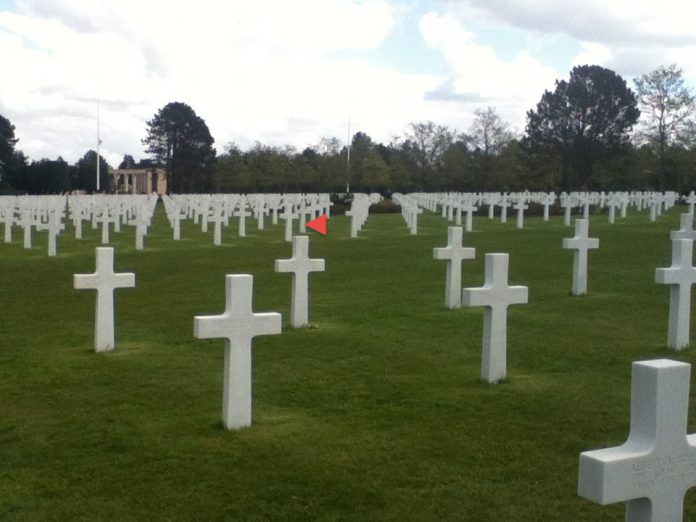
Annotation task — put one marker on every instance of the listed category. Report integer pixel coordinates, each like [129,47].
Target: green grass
[375,413]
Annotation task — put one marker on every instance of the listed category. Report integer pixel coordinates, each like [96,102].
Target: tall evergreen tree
[585,120]
[85,173]
[180,140]
[12,162]
[127,163]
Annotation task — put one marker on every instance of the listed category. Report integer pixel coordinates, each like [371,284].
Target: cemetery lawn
[376,412]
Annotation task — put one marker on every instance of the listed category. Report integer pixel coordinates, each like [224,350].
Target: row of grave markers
[654,468]
[110,212]
[496,295]
[207,210]
[237,325]
[454,206]
[651,471]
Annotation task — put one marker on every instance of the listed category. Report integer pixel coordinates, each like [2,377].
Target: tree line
[591,132]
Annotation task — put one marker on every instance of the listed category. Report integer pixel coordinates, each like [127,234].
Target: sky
[284,72]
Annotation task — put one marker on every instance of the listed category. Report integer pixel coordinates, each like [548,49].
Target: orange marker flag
[318,224]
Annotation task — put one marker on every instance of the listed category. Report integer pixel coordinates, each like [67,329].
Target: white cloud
[629,37]
[291,72]
[479,77]
[253,70]
[617,22]
[593,53]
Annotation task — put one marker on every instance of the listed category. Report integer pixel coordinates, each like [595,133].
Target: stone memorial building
[139,181]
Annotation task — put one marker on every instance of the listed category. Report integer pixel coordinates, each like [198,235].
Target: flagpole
[348,160]
[98,143]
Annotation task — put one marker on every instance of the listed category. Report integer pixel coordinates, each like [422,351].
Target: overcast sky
[290,72]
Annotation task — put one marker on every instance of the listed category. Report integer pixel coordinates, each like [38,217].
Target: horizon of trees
[591,132]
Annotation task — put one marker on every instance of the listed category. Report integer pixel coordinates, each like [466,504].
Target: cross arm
[317,265]
[84,281]
[269,323]
[285,265]
[211,326]
[611,475]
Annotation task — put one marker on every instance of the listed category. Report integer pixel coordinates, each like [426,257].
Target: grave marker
[288,216]
[655,467]
[300,265]
[238,325]
[504,204]
[580,244]
[242,214]
[686,228]
[104,281]
[520,207]
[680,276]
[454,253]
[496,295]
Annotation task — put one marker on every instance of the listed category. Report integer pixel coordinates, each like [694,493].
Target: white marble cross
[496,295]
[520,207]
[141,221]
[177,215]
[242,213]
[105,219]
[238,325]
[104,281]
[354,222]
[469,208]
[288,216]
[567,205]
[613,202]
[655,467]
[691,200]
[413,213]
[217,218]
[259,213]
[547,201]
[458,215]
[78,213]
[580,244]
[300,265]
[454,253]
[54,227]
[680,276]
[9,218]
[302,211]
[491,208]
[26,220]
[686,228]
[504,204]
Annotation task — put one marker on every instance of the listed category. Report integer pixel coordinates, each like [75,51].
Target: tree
[127,163]
[488,135]
[360,147]
[181,141]
[427,143]
[85,175]
[488,132]
[7,144]
[375,173]
[12,162]
[231,171]
[584,121]
[48,176]
[328,145]
[457,172]
[668,106]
